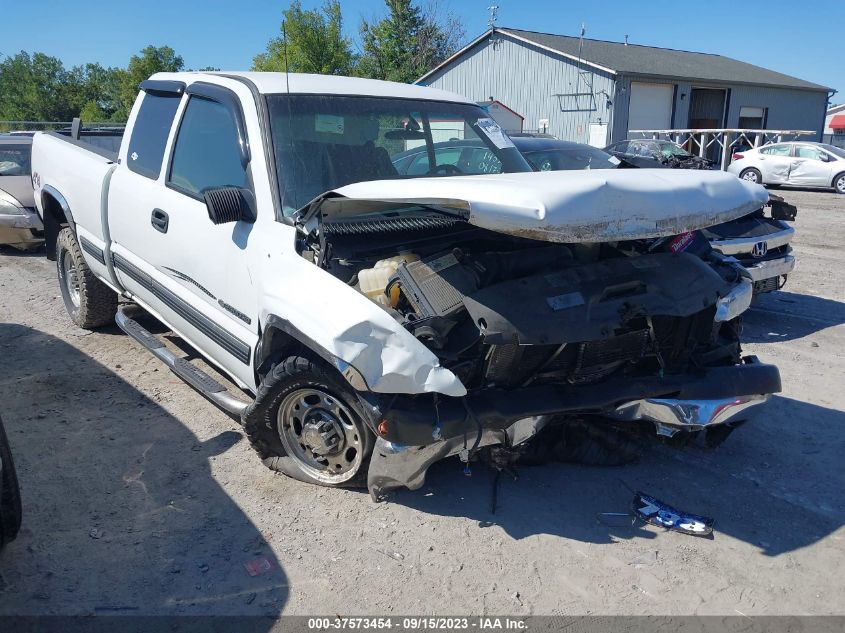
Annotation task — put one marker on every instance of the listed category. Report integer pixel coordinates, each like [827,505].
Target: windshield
[583,157]
[834,150]
[14,159]
[670,149]
[322,142]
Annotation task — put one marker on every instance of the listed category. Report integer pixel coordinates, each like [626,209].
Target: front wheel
[752,175]
[89,302]
[310,425]
[839,183]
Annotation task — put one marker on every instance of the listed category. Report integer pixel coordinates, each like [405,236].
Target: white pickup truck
[373,322]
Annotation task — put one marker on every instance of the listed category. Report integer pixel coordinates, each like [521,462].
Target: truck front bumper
[766,274]
[417,435]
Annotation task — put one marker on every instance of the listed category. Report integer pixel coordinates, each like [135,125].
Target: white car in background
[803,164]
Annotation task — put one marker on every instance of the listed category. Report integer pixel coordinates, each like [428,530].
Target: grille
[766,285]
[596,359]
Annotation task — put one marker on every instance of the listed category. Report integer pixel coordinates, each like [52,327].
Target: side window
[776,150]
[149,134]
[808,151]
[206,153]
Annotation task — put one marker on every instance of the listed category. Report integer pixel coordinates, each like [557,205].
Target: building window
[753,118]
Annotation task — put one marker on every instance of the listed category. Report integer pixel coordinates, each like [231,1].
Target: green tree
[407,42]
[92,112]
[32,88]
[315,43]
[95,89]
[151,60]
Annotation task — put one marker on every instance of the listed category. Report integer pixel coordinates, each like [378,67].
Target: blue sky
[803,39]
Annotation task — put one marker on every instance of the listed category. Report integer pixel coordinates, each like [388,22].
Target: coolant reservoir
[373,281]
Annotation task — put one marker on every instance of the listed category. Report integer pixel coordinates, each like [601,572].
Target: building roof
[634,59]
[488,103]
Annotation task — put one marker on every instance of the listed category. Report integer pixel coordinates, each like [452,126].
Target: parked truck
[375,323]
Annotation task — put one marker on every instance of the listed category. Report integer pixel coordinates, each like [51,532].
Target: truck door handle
[159,220]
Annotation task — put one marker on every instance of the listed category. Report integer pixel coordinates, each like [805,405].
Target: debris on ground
[258,566]
[655,512]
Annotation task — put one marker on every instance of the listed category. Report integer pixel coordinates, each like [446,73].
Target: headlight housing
[9,205]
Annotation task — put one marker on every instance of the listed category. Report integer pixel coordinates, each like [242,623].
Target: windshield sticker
[495,133]
[328,123]
[613,160]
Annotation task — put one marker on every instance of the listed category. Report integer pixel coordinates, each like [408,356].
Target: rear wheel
[752,175]
[89,302]
[839,183]
[307,423]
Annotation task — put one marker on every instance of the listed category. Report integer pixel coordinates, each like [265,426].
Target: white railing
[702,142]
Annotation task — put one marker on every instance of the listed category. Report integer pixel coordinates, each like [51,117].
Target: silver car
[797,163]
[20,225]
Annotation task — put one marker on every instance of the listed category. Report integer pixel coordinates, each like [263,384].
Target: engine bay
[504,311]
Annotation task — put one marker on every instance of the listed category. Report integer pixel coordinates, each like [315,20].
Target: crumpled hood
[566,206]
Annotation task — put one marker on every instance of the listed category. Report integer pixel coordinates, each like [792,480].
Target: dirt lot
[141,498]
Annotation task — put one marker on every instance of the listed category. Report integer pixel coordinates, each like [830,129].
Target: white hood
[568,206]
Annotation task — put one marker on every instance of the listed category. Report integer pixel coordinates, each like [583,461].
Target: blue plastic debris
[657,513]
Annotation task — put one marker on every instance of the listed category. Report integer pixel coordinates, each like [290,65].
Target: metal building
[594,91]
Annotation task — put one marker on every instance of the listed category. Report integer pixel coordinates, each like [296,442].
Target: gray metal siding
[525,79]
[788,109]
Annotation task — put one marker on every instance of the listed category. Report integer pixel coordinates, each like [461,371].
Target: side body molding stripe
[220,336]
[93,250]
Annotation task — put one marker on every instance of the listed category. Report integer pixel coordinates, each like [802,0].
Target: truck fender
[280,338]
[353,333]
[56,213]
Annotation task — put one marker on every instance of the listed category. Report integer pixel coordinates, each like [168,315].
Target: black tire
[267,430]
[89,302]
[839,183]
[751,175]
[10,494]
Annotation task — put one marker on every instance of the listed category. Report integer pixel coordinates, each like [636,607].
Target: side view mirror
[229,204]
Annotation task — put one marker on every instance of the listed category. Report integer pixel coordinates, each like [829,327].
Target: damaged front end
[637,330]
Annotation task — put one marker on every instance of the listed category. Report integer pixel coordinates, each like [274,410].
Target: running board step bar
[195,377]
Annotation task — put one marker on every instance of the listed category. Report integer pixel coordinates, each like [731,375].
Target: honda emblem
[760,249]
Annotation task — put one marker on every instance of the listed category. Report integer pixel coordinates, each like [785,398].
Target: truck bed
[76,171]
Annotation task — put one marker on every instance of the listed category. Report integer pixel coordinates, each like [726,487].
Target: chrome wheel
[320,433]
[839,185]
[751,176]
[71,278]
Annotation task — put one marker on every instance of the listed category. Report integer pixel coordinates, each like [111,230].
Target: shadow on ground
[776,483]
[121,513]
[786,316]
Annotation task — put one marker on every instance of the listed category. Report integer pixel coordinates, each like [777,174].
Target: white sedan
[797,163]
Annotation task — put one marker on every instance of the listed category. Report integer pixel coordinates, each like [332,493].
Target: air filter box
[436,286]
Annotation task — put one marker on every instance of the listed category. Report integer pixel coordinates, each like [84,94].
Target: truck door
[810,166]
[185,269]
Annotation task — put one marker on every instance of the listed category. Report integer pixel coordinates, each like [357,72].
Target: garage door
[650,107]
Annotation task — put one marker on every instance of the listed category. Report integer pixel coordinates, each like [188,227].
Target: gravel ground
[141,498]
